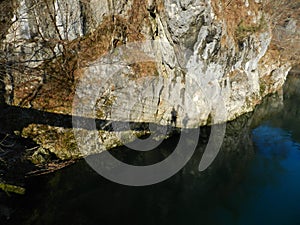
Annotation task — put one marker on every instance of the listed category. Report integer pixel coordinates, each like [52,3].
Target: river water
[255,179]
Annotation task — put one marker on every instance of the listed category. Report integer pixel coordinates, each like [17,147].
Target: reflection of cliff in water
[77,190]
[289,117]
[284,108]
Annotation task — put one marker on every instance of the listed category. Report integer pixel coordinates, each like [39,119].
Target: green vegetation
[12,188]
[263,87]
[243,29]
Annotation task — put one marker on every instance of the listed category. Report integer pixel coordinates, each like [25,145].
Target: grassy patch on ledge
[243,29]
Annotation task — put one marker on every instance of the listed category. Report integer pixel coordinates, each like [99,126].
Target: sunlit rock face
[197,42]
[211,60]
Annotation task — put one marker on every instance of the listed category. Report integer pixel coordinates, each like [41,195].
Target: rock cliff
[134,60]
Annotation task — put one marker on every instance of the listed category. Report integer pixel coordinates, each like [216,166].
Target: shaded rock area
[42,151]
[14,152]
[20,158]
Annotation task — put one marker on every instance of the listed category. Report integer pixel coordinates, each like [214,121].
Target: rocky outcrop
[134,60]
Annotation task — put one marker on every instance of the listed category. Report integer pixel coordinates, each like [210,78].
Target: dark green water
[254,180]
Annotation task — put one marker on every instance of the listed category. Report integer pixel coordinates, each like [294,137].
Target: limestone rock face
[134,60]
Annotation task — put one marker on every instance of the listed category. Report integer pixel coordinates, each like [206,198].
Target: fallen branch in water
[12,188]
[50,167]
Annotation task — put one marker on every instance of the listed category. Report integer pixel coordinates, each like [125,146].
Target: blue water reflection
[270,194]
